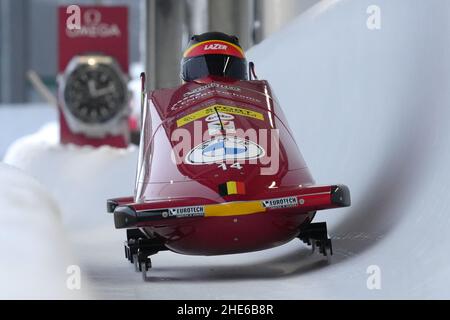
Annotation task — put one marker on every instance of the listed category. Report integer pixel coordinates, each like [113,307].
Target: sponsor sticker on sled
[222,116]
[217,122]
[187,211]
[219,108]
[224,148]
[279,203]
[215,127]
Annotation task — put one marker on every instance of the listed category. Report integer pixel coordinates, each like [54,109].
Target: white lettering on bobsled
[187,211]
[280,202]
[201,93]
[212,85]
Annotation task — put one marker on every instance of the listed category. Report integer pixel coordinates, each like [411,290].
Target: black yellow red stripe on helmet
[214,47]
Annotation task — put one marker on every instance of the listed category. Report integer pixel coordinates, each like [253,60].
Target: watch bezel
[117,125]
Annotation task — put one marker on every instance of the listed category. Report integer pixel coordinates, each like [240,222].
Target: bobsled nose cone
[340,196]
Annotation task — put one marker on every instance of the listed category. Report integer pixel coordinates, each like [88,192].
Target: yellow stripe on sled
[234,209]
[220,108]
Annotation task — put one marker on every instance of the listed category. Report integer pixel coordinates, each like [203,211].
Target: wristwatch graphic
[94,96]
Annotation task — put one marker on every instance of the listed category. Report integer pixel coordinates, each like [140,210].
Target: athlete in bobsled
[219,171]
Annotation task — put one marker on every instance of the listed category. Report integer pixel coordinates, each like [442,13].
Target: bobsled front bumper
[159,213]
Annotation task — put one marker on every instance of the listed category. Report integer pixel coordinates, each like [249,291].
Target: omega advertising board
[93,96]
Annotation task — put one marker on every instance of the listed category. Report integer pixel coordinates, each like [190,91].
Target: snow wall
[37,261]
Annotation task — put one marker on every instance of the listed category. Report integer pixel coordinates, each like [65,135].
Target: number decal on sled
[235,165]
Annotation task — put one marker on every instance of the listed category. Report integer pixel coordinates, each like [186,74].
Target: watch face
[95,93]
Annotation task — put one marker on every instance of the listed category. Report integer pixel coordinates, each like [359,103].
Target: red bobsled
[219,172]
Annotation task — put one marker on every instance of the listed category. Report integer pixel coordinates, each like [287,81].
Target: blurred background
[158,31]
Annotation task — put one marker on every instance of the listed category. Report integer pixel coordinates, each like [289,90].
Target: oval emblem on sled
[221,149]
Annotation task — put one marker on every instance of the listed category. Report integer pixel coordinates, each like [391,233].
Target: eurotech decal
[220,108]
[224,148]
[193,211]
[279,203]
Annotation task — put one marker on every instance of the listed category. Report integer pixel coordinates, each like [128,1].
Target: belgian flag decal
[231,187]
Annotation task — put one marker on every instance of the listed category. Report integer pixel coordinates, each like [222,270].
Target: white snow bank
[79,178]
[35,254]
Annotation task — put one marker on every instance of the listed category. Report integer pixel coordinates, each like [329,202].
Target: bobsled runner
[218,170]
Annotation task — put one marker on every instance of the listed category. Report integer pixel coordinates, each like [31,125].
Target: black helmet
[213,54]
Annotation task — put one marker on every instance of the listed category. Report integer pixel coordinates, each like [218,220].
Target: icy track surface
[369,108]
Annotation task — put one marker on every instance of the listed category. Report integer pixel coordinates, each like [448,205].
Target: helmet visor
[214,65]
